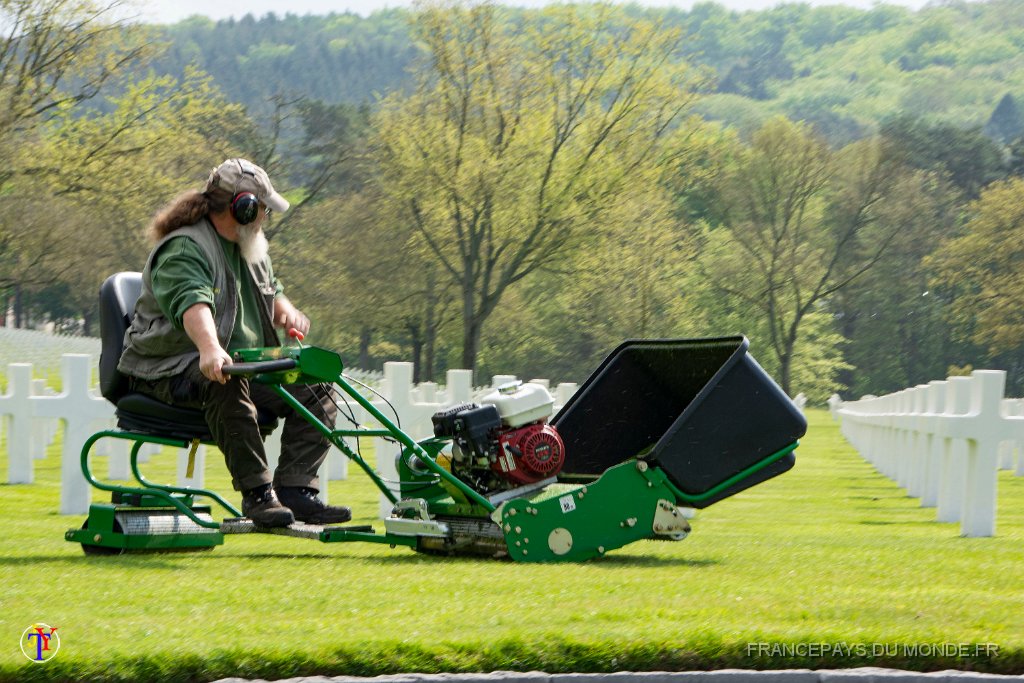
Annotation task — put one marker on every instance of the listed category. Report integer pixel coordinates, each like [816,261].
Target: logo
[40,643]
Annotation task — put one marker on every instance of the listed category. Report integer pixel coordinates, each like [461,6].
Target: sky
[171,11]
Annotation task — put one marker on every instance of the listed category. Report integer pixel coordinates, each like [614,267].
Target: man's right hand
[198,323]
[212,362]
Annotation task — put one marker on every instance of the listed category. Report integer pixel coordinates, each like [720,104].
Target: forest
[519,191]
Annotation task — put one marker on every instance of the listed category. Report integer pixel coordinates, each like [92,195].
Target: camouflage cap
[239,175]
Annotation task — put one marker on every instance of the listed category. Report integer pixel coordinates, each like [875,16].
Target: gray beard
[252,243]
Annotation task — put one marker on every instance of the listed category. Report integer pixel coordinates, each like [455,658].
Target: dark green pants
[231,413]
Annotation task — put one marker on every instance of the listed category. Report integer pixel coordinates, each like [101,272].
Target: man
[209,288]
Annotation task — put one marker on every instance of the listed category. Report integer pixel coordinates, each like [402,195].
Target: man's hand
[287,316]
[212,362]
[198,322]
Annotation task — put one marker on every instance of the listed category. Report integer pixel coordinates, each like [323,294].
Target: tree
[981,268]
[628,283]
[90,181]
[969,158]
[333,255]
[764,61]
[353,282]
[894,306]
[1006,123]
[519,139]
[800,225]
[54,55]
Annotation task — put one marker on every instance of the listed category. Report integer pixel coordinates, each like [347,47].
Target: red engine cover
[528,454]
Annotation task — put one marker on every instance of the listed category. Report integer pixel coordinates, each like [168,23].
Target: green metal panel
[320,364]
[571,524]
[314,364]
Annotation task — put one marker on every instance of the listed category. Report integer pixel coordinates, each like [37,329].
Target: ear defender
[245,208]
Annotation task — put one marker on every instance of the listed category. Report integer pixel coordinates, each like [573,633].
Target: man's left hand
[288,317]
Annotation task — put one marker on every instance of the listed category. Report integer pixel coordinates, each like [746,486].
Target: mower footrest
[244,525]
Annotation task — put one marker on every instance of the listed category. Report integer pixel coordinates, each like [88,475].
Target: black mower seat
[140,412]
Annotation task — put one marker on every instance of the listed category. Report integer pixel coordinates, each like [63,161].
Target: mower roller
[660,426]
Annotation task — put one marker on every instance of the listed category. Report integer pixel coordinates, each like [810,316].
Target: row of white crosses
[77,408]
[943,442]
[41,349]
[34,414]
[31,412]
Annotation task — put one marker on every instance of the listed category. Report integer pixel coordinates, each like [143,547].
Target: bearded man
[209,288]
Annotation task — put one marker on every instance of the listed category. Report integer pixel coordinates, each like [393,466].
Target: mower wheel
[101,550]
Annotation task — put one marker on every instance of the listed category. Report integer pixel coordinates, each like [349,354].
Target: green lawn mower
[660,426]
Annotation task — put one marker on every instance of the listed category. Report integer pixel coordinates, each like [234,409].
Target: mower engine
[504,442]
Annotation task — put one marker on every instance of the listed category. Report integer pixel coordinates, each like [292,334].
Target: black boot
[262,506]
[306,507]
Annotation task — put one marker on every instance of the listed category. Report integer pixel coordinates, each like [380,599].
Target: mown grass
[829,555]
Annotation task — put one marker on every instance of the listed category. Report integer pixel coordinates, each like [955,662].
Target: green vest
[154,348]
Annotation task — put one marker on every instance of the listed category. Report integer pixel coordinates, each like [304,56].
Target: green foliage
[640,238]
[799,225]
[954,58]
[87,166]
[521,140]
[1006,123]
[818,359]
[338,58]
[981,269]
[894,320]
[740,113]
[966,156]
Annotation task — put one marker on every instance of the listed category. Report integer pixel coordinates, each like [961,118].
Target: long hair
[187,209]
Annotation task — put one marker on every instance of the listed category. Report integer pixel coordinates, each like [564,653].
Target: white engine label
[567,503]
[508,463]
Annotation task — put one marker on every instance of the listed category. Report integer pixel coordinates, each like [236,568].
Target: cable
[346,412]
[398,419]
[334,395]
[349,415]
[389,439]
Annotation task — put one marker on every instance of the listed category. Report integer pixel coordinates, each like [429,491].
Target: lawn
[830,565]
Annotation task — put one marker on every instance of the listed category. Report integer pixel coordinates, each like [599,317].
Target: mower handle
[259,367]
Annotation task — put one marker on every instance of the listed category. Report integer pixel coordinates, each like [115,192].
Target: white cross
[77,408]
[984,427]
[15,404]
